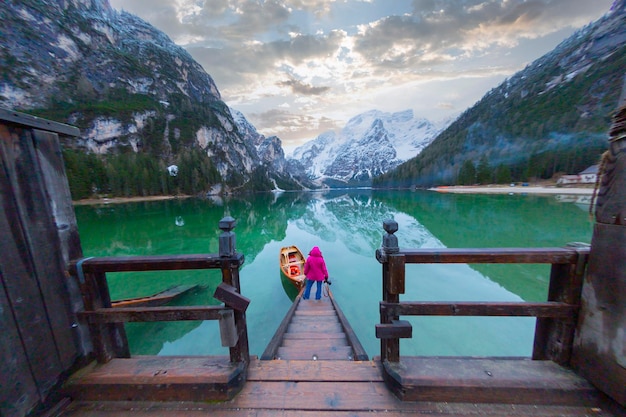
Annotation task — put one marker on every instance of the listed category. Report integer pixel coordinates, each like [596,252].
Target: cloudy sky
[297,68]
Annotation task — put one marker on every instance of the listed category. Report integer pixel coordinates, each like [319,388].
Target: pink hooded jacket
[315,266]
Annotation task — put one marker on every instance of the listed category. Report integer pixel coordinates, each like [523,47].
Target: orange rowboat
[291,262]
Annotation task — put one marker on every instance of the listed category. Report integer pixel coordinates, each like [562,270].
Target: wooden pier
[65,348]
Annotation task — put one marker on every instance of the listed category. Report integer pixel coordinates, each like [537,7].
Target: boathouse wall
[600,345]
[42,342]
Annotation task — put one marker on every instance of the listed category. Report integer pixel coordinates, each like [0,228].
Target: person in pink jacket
[315,271]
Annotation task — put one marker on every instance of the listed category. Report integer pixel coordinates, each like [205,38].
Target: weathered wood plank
[36,122]
[397,274]
[314,335]
[318,388]
[600,345]
[314,352]
[150,263]
[492,380]
[158,379]
[318,342]
[312,321]
[398,329]
[149,314]
[319,326]
[18,215]
[18,389]
[492,255]
[432,308]
[229,296]
[59,198]
[181,409]
[314,313]
[109,339]
[297,371]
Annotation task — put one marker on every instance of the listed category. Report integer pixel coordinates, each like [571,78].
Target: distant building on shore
[588,176]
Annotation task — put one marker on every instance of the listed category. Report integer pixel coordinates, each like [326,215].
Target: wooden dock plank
[333,353]
[319,326]
[317,388]
[182,409]
[321,343]
[489,380]
[313,335]
[297,371]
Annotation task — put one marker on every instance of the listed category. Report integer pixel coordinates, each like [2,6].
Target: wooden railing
[106,323]
[554,331]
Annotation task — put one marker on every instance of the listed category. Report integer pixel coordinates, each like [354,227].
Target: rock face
[125,84]
[369,145]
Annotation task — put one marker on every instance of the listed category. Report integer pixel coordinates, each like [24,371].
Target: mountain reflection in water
[347,226]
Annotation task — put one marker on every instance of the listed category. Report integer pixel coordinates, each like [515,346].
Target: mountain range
[370,144]
[141,102]
[550,118]
[144,105]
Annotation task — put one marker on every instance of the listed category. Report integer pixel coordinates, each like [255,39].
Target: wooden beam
[493,255]
[397,329]
[547,309]
[396,274]
[26,120]
[228,330]
[229,296]
[149,314]
[150,263]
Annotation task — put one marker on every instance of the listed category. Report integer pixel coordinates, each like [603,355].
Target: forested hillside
[142,103]
[549,118]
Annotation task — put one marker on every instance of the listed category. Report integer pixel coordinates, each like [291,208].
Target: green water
[347,226]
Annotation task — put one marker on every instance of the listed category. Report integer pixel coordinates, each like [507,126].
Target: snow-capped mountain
[370,144]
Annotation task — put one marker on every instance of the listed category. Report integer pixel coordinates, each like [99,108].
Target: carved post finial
[390,241]
[227,237]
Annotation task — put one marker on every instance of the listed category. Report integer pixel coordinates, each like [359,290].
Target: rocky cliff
[126,85]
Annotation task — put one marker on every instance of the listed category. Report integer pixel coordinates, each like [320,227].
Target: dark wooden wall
[41,341]
[600,345]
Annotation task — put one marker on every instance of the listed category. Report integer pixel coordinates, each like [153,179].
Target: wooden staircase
[315,333]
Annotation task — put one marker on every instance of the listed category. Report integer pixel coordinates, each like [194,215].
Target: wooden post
[554,336]
[599,352]
[389,348]
[109,339]
[230,276]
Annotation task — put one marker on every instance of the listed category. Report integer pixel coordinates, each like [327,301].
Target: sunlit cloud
[294,67]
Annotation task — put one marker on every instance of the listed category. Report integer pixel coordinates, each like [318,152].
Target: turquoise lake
[347,226]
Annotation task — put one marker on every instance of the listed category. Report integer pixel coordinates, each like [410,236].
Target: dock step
[488,380]
[315,333]
[158,378]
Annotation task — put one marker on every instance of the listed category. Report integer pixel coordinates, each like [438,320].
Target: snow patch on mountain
[370,144]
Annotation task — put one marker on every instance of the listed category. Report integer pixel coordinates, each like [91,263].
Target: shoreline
[459,189]
[117,200]
[501,189]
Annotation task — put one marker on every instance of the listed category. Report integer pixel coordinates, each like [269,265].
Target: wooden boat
[155,300]
[291,262]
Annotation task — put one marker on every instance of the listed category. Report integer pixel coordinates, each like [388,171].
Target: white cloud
[297,67]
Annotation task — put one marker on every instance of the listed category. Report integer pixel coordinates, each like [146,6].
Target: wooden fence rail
[106,323]
[556,318]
